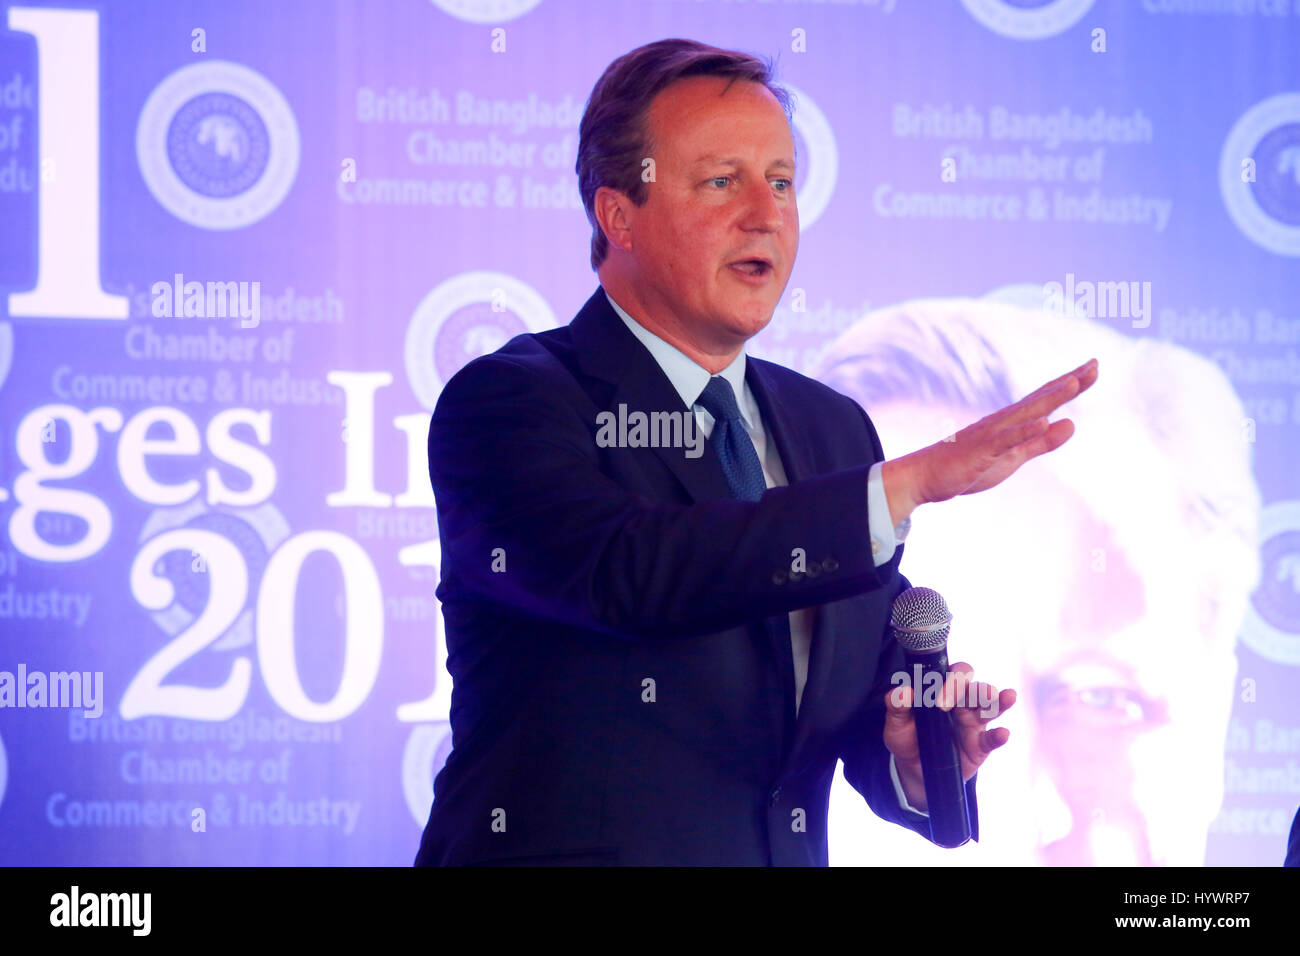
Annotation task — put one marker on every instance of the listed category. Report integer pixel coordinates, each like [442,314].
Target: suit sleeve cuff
[880,524]
[898,789]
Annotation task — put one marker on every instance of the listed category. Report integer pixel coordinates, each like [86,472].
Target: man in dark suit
[661,645]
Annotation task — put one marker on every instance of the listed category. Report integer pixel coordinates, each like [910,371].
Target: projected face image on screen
[1098,585]
[1123,697]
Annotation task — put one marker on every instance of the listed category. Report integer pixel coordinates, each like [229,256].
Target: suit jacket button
[814,569]
[830,564]
[796,576]
[778,577]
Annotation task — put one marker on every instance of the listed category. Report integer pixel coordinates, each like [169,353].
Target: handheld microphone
[919,620]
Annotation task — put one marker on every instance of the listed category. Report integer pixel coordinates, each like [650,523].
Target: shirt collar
[686,375]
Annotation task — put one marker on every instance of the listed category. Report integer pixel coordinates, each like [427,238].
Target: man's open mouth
[753,267]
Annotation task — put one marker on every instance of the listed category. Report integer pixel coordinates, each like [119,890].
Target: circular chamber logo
[1272,624]
[217,145]
[1028,19]
[485,11]
[462,318]
[1259,174]
[255,532]
[820,165]
[425,752]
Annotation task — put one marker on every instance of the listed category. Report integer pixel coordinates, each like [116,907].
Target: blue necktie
[744,476]
[735,451]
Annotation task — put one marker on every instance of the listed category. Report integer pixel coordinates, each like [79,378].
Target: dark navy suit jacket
[616,698]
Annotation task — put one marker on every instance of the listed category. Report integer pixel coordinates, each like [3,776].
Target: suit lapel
[606,350]
[782,426]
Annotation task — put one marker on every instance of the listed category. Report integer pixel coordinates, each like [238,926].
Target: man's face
[723,193]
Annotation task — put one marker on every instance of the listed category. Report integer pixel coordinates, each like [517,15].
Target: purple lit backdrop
[187,499]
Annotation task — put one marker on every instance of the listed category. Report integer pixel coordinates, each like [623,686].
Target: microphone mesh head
[920,620]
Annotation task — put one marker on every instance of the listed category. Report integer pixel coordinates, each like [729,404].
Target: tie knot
[719,400]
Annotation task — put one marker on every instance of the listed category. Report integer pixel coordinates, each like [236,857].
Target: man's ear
[614,212]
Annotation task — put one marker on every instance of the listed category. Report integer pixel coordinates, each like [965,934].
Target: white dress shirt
[689,379]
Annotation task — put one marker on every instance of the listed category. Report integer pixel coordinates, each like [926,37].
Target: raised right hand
[986,453]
